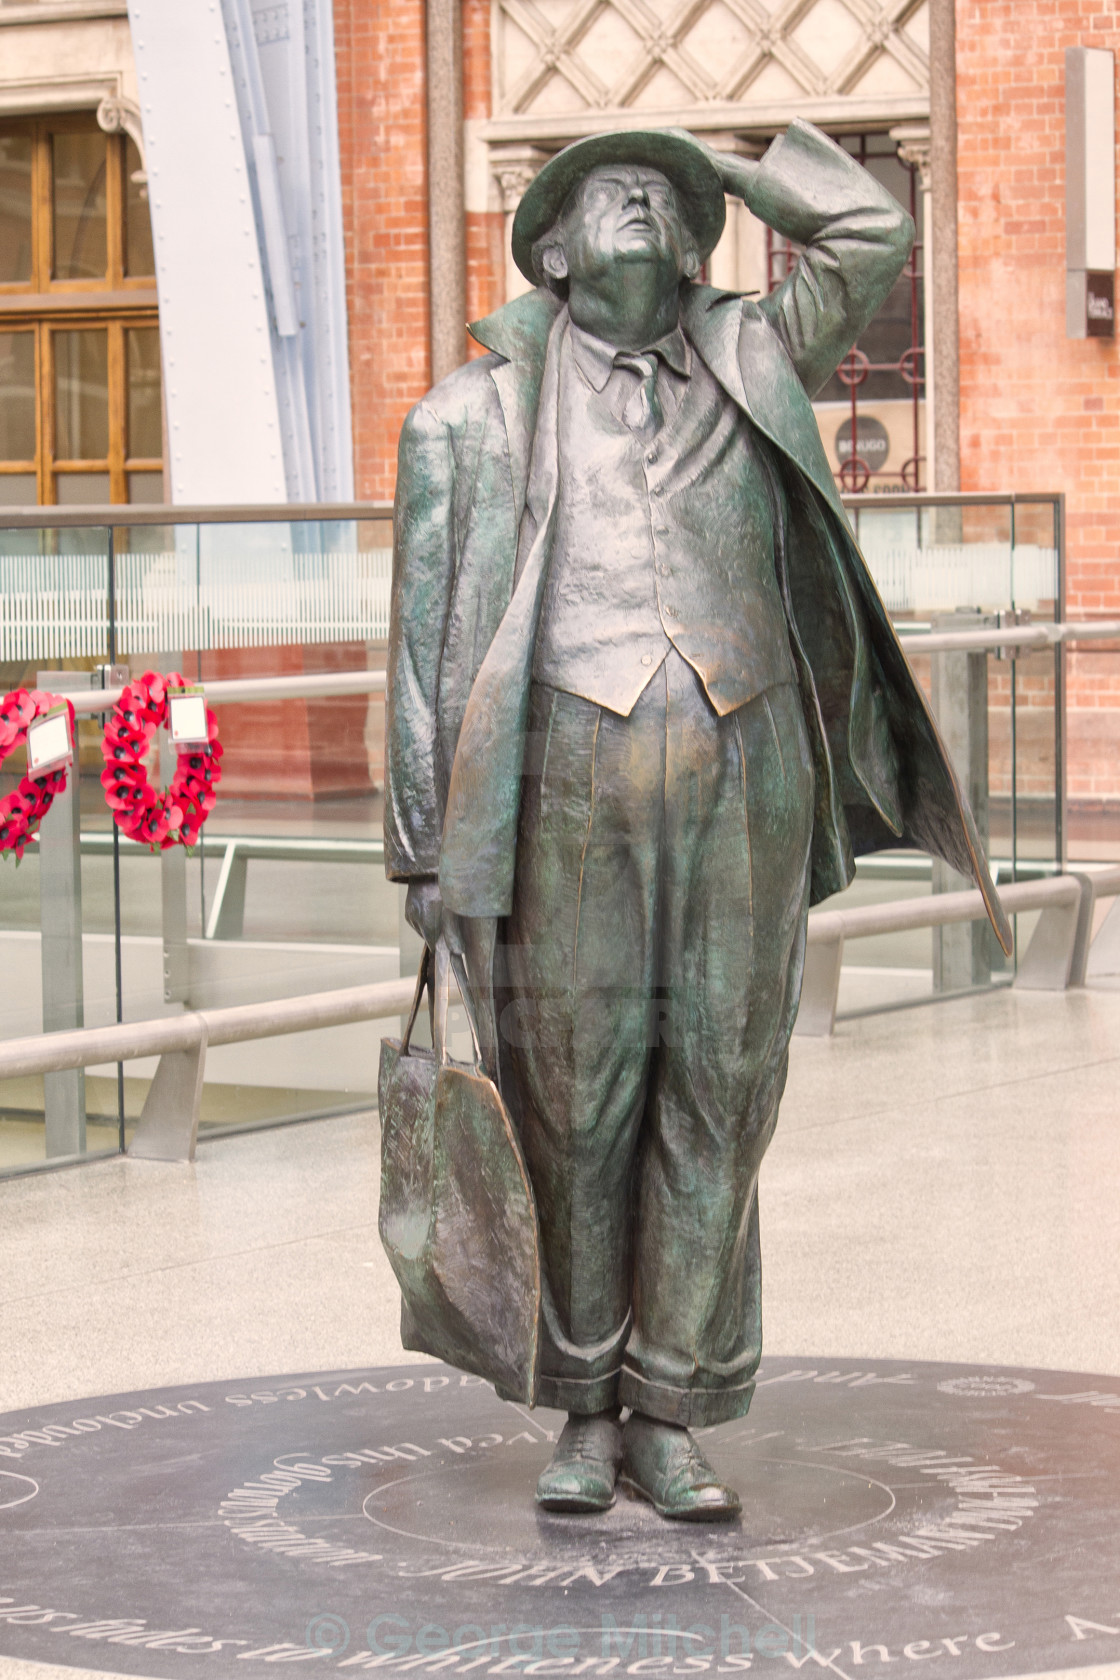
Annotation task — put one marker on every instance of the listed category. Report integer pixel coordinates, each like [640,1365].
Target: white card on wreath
[48,743]
[187,717]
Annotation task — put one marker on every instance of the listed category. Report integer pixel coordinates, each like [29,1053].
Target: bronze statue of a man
[645,706]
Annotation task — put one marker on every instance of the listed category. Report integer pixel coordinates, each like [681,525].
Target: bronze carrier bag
[457,1216]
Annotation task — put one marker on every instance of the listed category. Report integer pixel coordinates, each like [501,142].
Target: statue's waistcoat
[659,543]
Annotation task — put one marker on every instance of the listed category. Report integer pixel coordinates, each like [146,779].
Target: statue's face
[621,214]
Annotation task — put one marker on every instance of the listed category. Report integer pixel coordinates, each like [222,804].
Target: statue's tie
[642,412]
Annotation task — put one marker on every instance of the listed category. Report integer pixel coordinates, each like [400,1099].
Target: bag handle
[434,975]
[459,969]
[423,980]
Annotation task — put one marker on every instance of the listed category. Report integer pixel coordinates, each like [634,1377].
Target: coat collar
[730,332]
[519,330]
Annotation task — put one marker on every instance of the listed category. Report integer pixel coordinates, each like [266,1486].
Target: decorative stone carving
[687,59]
[120,116]
[513,168]
[914,149]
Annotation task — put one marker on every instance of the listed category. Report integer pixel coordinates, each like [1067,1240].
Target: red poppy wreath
[23,810]
[175,816]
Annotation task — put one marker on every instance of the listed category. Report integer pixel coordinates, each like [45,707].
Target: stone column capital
[914,143]
[514,167]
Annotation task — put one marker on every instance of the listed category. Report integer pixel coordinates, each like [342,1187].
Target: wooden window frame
[45,305]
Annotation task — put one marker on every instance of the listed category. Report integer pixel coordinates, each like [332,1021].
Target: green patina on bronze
[645,706]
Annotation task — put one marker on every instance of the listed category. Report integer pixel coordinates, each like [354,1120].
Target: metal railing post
[1047,963]
[173,902]
[60,922]
[820,986]
[1103,958]
[168,1125]
[962,954]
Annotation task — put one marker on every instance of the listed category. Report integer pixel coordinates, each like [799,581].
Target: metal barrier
[1042,635]
[309,686]
[226,918]
[1104,952]
[1058,955]
[1056,958]
[227,911]
[168,1128]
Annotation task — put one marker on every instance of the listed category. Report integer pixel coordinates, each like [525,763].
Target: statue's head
[645,198]
[619,213]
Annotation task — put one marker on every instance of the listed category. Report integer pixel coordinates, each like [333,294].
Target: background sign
[872,442]
[1100,310]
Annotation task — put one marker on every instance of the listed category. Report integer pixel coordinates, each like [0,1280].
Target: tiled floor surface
[944,1184]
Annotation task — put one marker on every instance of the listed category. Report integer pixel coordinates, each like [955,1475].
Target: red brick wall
[379,47]
[1038,411]
[298,749]
[485,231]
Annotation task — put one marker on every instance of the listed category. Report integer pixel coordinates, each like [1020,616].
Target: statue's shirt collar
[595,357]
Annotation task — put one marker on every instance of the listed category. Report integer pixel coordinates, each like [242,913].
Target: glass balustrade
[286,893]
[946,564]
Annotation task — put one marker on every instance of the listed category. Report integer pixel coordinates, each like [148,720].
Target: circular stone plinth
[960,1518]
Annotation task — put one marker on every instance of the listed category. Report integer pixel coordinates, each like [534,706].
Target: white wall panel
[1090,158]
[223,416]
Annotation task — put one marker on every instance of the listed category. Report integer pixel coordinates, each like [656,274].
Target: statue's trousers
[656,948]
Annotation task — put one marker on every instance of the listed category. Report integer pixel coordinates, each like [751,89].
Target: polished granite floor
[944,1184]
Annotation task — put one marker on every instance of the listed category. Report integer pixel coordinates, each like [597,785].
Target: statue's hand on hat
[736,173]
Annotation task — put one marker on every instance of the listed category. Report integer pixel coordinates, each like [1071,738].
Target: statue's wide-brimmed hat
[674,152]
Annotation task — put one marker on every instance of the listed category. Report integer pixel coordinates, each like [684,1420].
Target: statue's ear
[692,264]
[555,263]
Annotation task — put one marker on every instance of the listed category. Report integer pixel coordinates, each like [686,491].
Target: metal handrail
[168,1126]
[313,685]
[86,1046]
[237,1024]
[122,516]
[1042,635]
[316,685]
[1057,956]
[953,498]
[938,910]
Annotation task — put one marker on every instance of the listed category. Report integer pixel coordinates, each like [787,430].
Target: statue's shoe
[584,1467]
[662,1462]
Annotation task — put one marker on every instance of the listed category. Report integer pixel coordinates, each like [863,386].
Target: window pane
[81,250]
[145,425]
[145,487]
[139,255]
[18,490]
[15,208]
[17,396]
[81,489]
[81,395]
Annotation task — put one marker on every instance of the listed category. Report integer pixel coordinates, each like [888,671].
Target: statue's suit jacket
[465,610]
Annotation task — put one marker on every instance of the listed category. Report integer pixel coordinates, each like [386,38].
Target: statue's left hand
[426,912]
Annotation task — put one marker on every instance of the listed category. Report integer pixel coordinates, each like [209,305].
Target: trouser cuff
[583,1395]
[689,1407]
